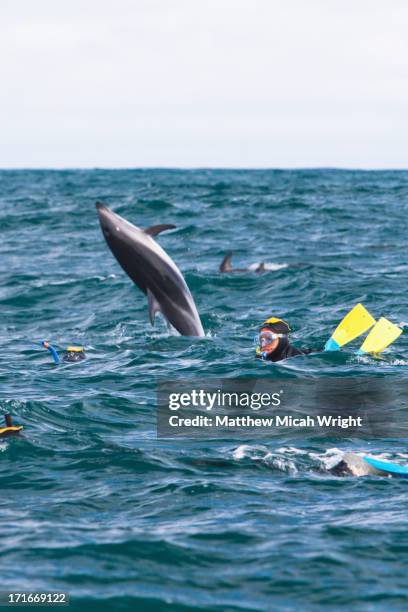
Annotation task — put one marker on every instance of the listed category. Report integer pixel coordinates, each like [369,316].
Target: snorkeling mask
[266,337]
[263,340]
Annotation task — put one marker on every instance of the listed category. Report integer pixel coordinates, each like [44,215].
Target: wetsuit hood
[280,350]
[279,326]
[284,350]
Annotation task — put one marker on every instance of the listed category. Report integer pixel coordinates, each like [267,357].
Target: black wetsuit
[284,350]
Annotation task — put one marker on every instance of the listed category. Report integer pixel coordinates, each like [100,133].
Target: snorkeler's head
[270,332]
[74,353]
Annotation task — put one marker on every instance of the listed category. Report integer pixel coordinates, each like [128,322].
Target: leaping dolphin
[152,270]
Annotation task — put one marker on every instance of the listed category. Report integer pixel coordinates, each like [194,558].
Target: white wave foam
[291,450]
[261,453]
[269,266]
[328,459]
[248,450]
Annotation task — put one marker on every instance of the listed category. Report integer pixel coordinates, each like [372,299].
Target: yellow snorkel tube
[9,429]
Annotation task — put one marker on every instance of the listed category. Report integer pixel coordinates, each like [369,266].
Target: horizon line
[195,168]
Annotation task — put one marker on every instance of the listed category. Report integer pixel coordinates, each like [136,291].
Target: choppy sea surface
[92,503]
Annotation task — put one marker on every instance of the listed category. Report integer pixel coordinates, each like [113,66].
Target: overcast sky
[230,83]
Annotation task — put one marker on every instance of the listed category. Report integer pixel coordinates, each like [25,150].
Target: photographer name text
[275,421]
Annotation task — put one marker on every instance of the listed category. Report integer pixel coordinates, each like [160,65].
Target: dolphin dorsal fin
[226,265]
[261,267]
[154,306]
[153,230]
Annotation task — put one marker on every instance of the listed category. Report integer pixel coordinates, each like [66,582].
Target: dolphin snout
[104,218]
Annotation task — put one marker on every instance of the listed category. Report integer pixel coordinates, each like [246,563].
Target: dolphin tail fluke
[226,265]
[154,306]
[153,230]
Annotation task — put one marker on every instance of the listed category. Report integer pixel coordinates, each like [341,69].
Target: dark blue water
[92,502]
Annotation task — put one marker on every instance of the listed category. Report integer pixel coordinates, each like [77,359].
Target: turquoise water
[93,503]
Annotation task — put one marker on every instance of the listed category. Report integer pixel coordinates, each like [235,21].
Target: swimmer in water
[273,342]
[71,354]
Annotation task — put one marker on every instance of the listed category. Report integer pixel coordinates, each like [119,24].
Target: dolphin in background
[226,266]
[152,270]
[259,268]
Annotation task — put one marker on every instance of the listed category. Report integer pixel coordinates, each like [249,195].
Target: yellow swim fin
[383,333]
[355,323]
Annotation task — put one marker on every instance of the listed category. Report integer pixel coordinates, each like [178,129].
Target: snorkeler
[71,353]
[273,341]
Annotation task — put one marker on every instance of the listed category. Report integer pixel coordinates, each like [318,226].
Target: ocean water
[93,504]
